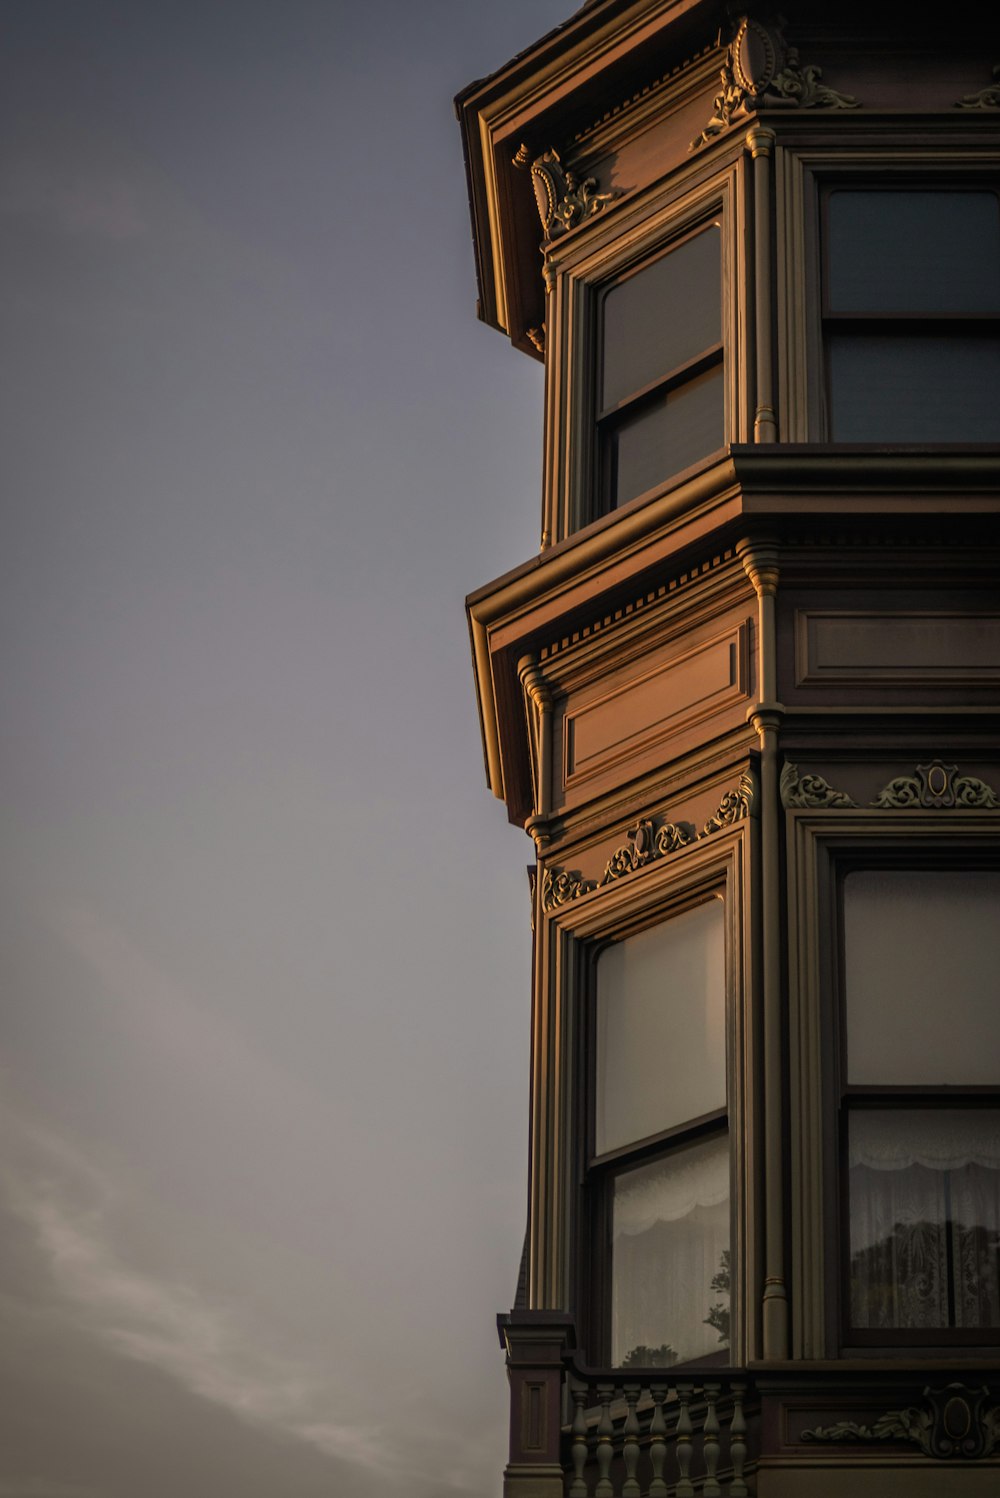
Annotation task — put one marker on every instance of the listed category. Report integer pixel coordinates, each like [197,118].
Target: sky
[265,931]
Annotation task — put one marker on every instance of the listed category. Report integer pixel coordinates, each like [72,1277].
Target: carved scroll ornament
[936,785]
[809,790]
[647,842]
[762,72]
[562,199]
[986,98]
[953,1423]
[930,786]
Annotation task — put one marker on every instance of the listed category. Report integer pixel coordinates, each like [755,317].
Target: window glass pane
[925,1218]
[661,1027]
[914,388]
[670,1257]
[662,317]
[667,435]
[921,959]
[929,251]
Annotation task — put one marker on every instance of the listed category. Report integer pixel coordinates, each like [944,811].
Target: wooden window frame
[571,1210]
[610,419]
[823,846]
[581,267]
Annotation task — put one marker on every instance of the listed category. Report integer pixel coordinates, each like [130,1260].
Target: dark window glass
[662,317]
[914,252]
[926,387]
[661,392]
[911,305]
[669,432]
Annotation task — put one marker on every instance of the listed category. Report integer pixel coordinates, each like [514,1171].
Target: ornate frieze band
[762,71]
[953,1423]
[935,785]
[930,786]
[647,842]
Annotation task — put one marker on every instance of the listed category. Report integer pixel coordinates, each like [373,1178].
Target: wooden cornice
[612,564]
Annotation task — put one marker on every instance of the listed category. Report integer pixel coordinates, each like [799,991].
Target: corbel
[538,717]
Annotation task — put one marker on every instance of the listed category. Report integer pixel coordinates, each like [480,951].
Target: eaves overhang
[538,100]
[763,489]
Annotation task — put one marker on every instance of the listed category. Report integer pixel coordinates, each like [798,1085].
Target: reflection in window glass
[922,954]
[661,1027]
[671,1236]
[924,1218]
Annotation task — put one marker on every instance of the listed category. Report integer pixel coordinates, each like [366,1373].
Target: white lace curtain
[925,1218]
[940,1139]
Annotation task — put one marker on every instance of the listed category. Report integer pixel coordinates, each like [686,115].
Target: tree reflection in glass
[925,1219]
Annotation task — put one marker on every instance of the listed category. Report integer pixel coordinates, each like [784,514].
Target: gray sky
[265,932]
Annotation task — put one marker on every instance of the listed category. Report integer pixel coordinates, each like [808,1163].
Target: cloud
[168,1324]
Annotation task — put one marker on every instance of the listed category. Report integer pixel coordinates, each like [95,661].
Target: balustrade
[654,1433]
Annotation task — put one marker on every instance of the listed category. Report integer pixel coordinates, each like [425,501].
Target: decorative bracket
[953,1424]
[762,71]
[562,199]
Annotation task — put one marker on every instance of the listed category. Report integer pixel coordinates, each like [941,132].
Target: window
[661,1147]
[661,392]
[920,1106]
[911,313]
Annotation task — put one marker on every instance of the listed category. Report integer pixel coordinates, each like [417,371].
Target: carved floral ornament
[563,200]
[762,71]
[647,842]
[930,787]
[953,1423]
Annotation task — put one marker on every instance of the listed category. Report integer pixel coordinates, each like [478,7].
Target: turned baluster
[710,1443]
[685,1487]
[630,1443]
[658,1441]
[605,1451]
[738,1443]
[578,1487]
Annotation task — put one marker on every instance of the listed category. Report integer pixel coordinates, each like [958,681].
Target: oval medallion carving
[956,1417]
[754,59]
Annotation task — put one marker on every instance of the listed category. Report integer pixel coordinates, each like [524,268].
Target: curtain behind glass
[925,1218]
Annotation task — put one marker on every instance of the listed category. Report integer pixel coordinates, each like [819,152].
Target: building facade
[746,701]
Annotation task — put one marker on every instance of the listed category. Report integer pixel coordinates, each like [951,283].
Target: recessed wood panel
[868,646]
[679,692]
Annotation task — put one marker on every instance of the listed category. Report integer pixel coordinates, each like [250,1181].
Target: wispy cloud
[170,1325]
